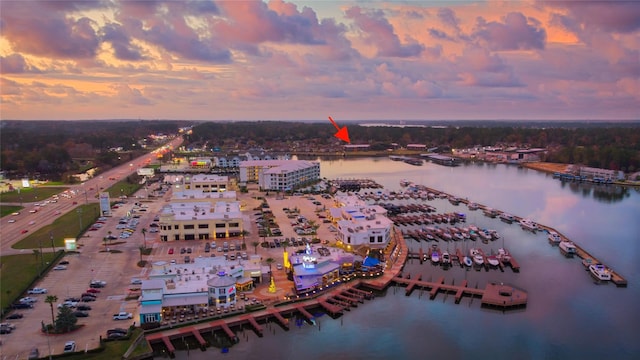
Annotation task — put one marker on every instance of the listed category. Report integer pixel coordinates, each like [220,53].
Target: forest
[54,149]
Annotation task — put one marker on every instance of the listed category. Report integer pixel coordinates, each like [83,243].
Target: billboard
[105,204]
[145,171]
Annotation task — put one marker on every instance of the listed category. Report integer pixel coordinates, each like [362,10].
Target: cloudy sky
[287,60]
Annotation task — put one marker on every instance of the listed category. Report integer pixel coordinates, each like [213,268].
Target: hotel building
[283,175]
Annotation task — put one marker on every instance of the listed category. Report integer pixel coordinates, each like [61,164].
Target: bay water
[568,315]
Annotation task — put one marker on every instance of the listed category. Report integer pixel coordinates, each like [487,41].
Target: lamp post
[53,248]
[79,211]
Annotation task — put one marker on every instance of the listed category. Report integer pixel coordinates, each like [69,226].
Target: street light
[53,248]
[79,211]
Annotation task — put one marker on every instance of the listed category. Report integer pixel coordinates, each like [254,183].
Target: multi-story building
[186,196]
[206,182]
[359,224]
[318,268]
[186,290]
[283,175]
[200,220]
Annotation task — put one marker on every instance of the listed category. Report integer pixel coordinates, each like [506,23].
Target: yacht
[476,256]
[473,206]
[435,257]
[467,261]
[600,272]
[508,218]
[567,248]
[554,238]
[527,224]
[446,260]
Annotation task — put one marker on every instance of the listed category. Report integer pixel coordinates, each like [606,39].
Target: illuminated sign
[70,244]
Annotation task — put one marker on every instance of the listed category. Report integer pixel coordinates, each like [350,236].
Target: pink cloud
[379,32]
[15,64]
[615,16]
[516,33]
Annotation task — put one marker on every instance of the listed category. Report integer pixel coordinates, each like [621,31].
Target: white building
[283,175]
[360,224]
[190,288]
[206,182]
[318,268]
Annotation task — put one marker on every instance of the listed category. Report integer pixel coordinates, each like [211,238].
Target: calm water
[568,315]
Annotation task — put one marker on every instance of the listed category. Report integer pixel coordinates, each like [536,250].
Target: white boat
[467,261]
[476,256]
[527,224]
[446,260]
[435,257]
[493,261]
[405,182]
[473,206]
[554,238]
[503,255]
[567,248]
[600,272]
[508,218]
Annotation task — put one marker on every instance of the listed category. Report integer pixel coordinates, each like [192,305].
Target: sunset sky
[306,60]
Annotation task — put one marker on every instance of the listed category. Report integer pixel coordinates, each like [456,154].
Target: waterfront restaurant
[318,268]
[181,292]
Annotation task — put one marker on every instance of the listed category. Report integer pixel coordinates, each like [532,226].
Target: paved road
[90,263]
[10,233]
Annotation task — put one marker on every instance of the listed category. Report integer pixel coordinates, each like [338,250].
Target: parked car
[170,252]
[37,291]
[28,300]
[69,304]
[117,330]
[80,313]
[83,307]
[14,316]
[89,295]
[34,354]
[116,336]
[63,262]
[60,267]
[97,284]
[88,298]
[136,281]
[122,316]
[69,347]
[92,291]
[22,306]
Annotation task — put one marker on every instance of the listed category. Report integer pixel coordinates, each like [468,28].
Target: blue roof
[369,261]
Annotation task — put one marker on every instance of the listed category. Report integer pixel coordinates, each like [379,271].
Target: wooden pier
[496,295]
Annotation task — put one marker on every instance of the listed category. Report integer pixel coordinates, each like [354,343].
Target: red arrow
[342,133]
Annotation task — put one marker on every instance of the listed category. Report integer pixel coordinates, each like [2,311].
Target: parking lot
[91,262]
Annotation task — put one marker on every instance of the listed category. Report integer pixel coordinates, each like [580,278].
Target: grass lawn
[31,194]
[113,349]
[18,272]
[122,188]
[66,226]
[7,209]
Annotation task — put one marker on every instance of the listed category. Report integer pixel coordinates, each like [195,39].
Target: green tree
[255,246]
[269,262]
[65,321]
[51,299]
[142,250]
[144,238]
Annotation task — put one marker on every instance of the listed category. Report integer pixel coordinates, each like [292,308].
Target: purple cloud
[15,64]
[379,32]
[38,28]
[615,16]
[515,33]
[448,17]
[121,43]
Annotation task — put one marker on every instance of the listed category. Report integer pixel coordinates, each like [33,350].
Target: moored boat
[473,206]
[435,257]
[508,218]
[446,259]
[554,238]
[600,272]
[467,261]
[527,224]
[567,248]
[493,261]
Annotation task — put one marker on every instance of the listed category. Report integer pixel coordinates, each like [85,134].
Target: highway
[11,233]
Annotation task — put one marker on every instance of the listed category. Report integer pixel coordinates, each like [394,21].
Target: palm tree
[50,300]
[255,246]
[284,243]
[142,249]
[144,237]
[269,262]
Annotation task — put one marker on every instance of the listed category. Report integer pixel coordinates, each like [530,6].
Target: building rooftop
[203,210]
[198,194]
